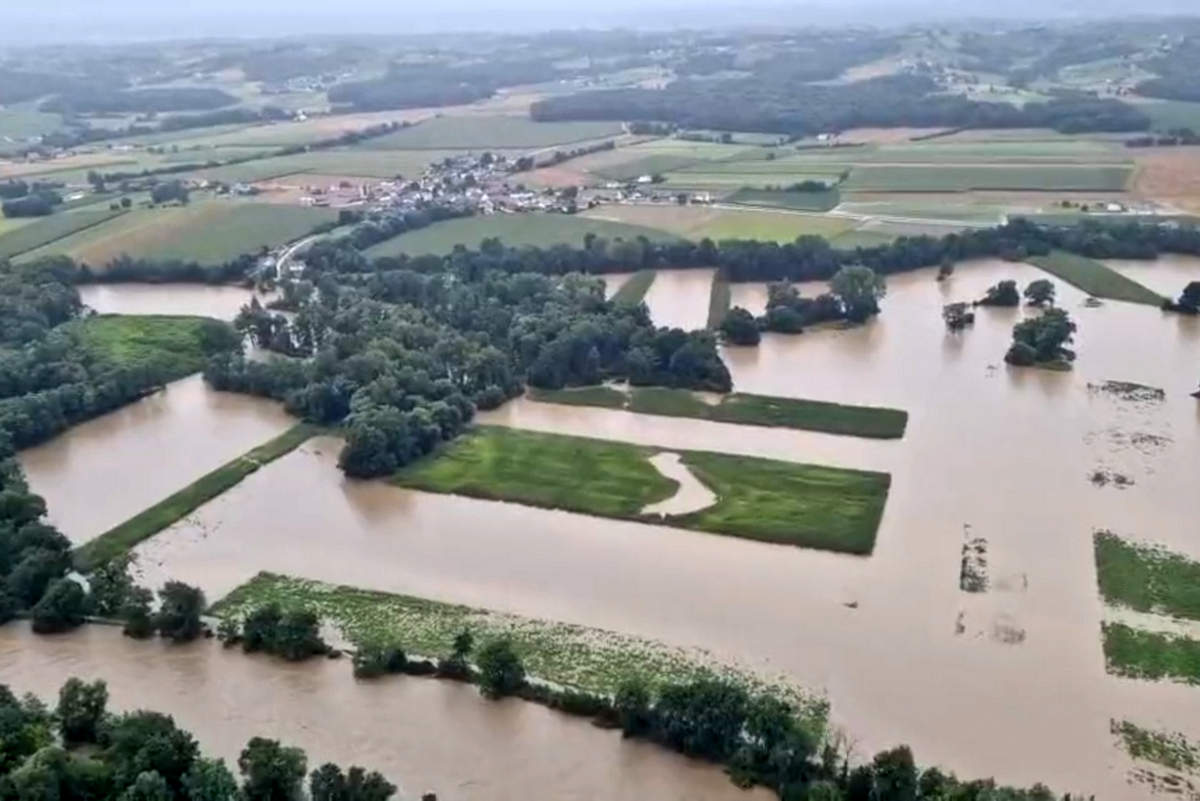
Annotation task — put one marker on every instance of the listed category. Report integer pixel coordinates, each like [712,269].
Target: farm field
[340,161]
[1095,278]
[1145,578]
[490,132]
[947,151]
[33,234]
[19,124]
[798,201]
[66,164]
[515,230]
[739,408]
[911,178]
[659,156]
[186,232]
[697,222]
[782,502]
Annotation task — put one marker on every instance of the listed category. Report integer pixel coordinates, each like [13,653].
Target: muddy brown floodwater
[422,734]
[677,298]
[221,302]
[1008,682]
[102,472]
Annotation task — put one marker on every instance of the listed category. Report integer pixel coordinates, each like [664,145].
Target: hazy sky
[29,21]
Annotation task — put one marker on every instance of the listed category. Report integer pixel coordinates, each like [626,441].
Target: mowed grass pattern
[1095,278]
[796,504]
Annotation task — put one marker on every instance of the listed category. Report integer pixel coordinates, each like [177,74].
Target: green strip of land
[635,288]
[741,408]
[122,538]
[796,504]
[589,659]
[718,301]
[1095,278]
[1147,578]
[51,229]
[1138,654]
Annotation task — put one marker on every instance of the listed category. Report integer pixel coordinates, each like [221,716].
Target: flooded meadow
[1008,681]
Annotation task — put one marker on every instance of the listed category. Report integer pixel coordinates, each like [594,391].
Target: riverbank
[796,504]
[121,539]
[739,408]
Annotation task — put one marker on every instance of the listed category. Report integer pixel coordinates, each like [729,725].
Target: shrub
[500,670]
[62,608]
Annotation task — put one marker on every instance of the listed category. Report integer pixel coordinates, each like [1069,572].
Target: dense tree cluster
[81,752]
[168,191]
[293,634]
[1040,292]
[403,357]
[38,203]
[1002,293]
[1188,302]
[130,101]
[773,101]
[958,316]
[1176,73]
[1042,340]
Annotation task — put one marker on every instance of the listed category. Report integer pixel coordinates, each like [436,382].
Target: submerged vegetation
[797,504]
[1094,278]
[741,408]
[1146,578]
[1138,654]
[1172,751]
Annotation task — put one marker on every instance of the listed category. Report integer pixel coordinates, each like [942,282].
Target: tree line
[774,102]
[80,751]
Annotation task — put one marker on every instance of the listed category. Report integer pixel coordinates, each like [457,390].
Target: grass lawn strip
[1095,278]
[122,538]
[634,290]
[783,502]
[1137,654]
[1146,578]
[589,659]
[741,408]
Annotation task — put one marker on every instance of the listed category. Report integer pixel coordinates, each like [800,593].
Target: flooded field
[221,302]
[1167,276]
[679,298]
[1009,682]
[423,735]
[106,470]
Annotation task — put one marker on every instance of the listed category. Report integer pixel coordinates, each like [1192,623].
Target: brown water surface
[1009,683]
[102,472]
[1167,275]
[221,302]
[422,734]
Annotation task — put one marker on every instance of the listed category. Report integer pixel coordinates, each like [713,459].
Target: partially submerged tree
[1040,292]
[1042,339]
[958,316]
[500,670]
[740,328]
[1189,300]
[180,607]
[859,289]
[1003,293]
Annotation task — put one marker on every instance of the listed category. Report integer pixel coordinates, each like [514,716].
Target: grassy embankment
[718,301]
[1095,278]
[589,659]
[51,229]
[1137,654]
[741,408]
[1146,578]
[122,538]
[796,504]
[635,288]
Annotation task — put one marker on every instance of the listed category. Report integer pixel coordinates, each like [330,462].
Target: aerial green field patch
[20,124]
[656,164]
[187,232]
[514,230]
[1146,578]
[120,539]
[491,131]
[783,502]
[801,201]
[594,660]
[1095,278]
[741,408]
[1138,654]
[634,290]
[50,229]
[862,238]
[947,152]
[943,178]
[335,161]
[173,344]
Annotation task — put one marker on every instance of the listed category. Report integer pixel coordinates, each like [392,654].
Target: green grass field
[860,238]
[1095,278]
[1027,177]
[782,502]
[742,409]
[1146,578]
[173,344]
[46,230]
[801,201]
[1062,150]
[634,290]
[541,230]
[655,164]
[490,132]
[124,537]
[1137,654]
[589,659]
[209,232]
[338,161]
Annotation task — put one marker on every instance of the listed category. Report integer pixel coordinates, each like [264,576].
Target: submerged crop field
[796,504]
[740,408]
[1146,578]
[1095,278]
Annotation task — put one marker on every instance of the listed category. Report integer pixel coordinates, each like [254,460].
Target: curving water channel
[421,734]
[1009,683]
